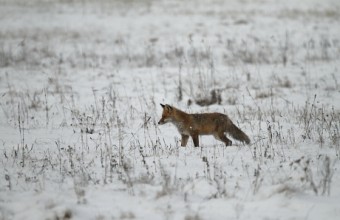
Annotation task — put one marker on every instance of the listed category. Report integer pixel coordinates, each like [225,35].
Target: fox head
[166,115]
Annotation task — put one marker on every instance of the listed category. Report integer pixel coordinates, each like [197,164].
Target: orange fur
[194,125]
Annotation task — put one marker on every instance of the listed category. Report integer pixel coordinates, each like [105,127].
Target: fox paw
[228,143]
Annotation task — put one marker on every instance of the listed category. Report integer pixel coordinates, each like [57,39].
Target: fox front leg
[184,140]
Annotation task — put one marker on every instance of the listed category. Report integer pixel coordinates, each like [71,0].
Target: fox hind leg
[195,139]
[221,137]
[184,140]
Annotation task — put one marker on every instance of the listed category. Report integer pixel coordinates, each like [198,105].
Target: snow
[80,87]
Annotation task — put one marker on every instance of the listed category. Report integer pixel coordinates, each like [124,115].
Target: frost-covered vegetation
[80,87]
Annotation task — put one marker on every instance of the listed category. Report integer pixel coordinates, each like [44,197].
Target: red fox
[202,124]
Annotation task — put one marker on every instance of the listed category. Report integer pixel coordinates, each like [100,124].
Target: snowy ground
[80,87]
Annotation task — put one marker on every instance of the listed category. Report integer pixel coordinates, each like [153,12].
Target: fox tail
[237,134]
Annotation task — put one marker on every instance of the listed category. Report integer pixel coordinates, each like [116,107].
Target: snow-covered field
[80,87]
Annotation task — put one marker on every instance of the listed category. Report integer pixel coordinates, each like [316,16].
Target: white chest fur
[180,127]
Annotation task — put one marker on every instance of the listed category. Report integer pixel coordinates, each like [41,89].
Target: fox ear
[162,105]
[168,108]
